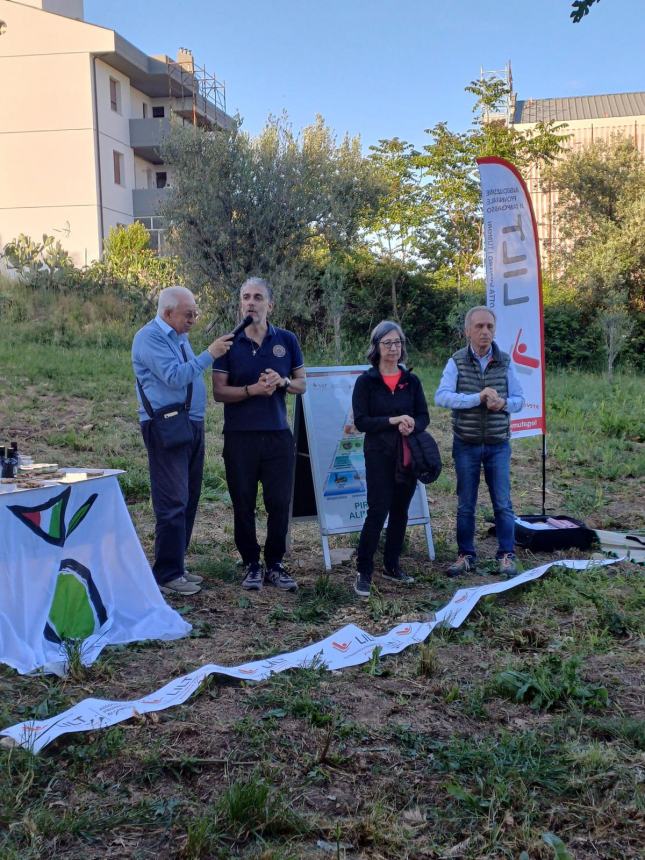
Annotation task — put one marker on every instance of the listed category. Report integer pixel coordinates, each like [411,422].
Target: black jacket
[426,459]
[374,404]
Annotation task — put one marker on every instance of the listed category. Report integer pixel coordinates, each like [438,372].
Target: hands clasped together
[269,381]
[404,423]
[492,399]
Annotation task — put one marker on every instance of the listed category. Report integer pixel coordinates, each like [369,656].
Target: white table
[72,567]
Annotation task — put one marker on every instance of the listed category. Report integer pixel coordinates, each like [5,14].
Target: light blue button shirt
[160,367]
[448,397]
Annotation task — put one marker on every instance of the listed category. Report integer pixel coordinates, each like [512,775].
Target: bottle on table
[10,462]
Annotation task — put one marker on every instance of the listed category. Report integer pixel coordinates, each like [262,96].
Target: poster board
[329,482]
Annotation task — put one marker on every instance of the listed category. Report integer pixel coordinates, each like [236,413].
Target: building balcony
[146,136]
[146,202]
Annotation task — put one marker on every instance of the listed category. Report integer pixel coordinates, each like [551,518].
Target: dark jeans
[384,497]
[175,485]
[268,457]
[496,460]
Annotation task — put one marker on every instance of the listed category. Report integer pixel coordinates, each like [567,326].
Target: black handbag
[426,459]
[171,423]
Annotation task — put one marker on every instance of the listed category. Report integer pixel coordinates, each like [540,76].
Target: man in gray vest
[479,385]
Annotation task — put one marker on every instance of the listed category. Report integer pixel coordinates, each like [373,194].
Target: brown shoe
[464,564]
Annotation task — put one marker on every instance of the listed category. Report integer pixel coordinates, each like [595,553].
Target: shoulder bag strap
[189,394]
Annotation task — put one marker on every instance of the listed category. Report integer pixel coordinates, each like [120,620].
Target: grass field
[520,735]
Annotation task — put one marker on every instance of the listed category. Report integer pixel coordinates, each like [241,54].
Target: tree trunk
[393,296]
[337,317]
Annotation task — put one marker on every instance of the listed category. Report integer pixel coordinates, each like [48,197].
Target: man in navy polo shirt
[252,380]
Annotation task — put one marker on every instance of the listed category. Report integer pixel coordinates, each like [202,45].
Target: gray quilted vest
[479,425]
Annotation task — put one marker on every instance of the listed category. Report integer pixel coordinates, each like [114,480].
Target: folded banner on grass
[348,646]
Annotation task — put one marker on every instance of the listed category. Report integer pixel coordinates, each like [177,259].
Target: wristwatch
[287,382]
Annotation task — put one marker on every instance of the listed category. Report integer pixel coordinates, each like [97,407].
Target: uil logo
[77,610]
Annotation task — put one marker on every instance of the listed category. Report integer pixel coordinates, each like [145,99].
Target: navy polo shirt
[244,362]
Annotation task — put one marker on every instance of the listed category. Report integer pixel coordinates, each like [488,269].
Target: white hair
[474,310]
[170,297]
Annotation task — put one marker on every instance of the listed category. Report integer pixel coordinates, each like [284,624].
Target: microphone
[248,319]
[239,328]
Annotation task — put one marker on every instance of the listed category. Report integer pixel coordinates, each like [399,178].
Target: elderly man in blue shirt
[480,386]
[166,367]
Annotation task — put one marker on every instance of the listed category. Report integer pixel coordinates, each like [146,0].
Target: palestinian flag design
[48,520]
[77,610]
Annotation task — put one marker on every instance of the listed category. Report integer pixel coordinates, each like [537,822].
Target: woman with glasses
[389,404]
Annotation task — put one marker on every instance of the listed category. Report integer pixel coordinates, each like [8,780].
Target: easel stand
[329,479]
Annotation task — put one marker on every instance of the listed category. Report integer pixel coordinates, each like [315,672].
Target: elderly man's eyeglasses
[192,315]
[391,344]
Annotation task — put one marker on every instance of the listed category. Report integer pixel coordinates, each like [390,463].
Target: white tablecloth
[71,566]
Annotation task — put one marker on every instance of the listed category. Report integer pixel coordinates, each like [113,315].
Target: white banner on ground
[348,646]
[72,568]
[514,284]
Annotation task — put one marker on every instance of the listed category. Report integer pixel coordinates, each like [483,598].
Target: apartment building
[588,119]
[82,115]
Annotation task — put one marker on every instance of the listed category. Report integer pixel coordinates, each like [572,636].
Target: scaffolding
[195,95]
[508,109]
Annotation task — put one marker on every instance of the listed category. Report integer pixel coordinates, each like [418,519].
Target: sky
[386,68]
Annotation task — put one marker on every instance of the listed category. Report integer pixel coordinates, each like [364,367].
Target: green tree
[580,8]
[393,230]
[600,244]
[264,205]
[129,262]
[453,239]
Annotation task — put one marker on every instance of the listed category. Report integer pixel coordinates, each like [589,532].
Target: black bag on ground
[426,459]
[172,422]
[550,539]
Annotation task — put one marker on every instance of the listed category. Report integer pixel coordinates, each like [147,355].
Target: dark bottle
[10,462]
[3,454]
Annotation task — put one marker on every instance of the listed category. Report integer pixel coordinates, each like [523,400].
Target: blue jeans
[496,460]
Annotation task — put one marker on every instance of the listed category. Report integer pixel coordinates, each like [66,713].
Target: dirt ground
[414,756]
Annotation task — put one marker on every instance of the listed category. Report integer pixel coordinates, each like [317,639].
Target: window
[119,171]
[115,95]
[162,179]
[159,112]
[145,110]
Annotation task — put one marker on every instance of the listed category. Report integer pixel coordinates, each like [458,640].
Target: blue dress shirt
[162,371]
[448,397]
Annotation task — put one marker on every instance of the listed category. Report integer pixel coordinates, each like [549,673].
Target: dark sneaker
[506,565]
[362,585]
[397,575]
[280,577]
[254,577]
[192,577]
[464,564]
[180,585]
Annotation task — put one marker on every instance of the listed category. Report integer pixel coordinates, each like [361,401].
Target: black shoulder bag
[172,422]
